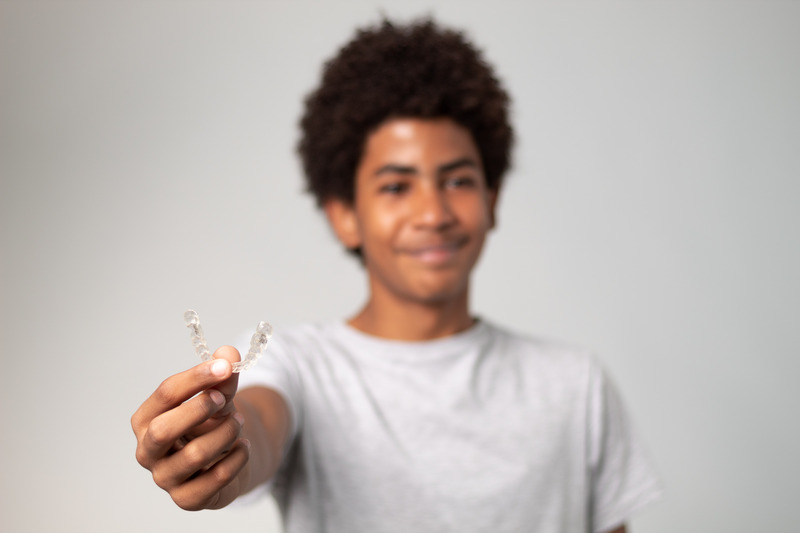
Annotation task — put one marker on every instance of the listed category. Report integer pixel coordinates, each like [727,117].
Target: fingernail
[219,367]
[217,397]
[239,418]
[246,443]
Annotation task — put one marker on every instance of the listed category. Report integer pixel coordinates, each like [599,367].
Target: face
[421,211]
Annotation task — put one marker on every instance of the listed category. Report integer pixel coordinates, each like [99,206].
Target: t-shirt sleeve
[622,476]
[277,370]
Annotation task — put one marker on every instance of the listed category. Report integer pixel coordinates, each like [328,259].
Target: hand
[188,433]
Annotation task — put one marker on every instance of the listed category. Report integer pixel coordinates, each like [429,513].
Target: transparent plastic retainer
[258,342]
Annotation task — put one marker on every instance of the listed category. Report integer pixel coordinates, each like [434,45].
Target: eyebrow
[410,170]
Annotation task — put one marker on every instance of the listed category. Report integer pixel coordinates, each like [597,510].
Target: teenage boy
[413,415]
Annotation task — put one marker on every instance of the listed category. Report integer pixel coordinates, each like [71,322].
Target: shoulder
[543,371]
[304,338]
[288,351]
[543,352]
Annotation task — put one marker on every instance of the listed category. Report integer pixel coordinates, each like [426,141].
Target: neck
[413,321]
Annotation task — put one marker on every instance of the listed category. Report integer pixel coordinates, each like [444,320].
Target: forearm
[267,425]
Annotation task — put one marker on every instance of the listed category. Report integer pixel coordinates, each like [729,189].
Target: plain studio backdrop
[148,166]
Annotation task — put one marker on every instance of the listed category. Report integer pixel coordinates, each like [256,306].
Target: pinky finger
[216,487]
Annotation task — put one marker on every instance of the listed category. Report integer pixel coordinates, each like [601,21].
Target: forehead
[417,142]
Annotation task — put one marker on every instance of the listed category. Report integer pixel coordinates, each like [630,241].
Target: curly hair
[418,70]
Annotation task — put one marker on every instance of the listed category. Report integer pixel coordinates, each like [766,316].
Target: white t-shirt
[481,431]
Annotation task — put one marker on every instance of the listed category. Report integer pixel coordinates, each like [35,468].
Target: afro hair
[419,70]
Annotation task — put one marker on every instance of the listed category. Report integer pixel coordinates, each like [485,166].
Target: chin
[440,293]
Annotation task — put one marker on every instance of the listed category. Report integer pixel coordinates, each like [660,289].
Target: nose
[433,209]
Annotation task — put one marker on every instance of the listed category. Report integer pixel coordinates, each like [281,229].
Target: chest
[460,431]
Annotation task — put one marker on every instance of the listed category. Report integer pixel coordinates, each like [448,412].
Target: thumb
[231,383]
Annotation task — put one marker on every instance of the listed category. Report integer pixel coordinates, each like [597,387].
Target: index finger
[178,388]
[228,386]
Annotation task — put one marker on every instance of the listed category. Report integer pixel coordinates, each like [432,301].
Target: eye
[460,182]
[395,187]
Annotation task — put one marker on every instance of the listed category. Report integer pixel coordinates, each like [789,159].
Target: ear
[343,220]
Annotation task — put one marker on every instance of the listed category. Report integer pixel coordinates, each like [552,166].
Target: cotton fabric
[485,430]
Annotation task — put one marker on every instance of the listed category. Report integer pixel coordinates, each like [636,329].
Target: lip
[436,253]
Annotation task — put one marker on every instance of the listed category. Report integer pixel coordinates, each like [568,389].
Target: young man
[412,415]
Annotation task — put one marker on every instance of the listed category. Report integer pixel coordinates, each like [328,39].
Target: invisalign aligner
[257,342]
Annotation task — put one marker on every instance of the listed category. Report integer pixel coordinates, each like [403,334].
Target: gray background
[147,164]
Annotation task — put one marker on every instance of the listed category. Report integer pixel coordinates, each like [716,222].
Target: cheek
[476,214]
[378,224]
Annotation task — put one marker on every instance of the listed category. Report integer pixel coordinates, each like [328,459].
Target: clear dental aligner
[198,340]
[257,342]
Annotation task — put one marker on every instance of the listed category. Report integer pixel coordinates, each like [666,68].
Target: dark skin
[196,446]
[421,214]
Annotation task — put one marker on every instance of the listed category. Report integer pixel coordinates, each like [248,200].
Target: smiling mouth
[436,253]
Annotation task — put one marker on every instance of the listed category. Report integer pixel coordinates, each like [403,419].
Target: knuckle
[165,393]
[187,504]
[223,473]
[142,458]
[158,432]
[135,421]
[194,456]
[161,478]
